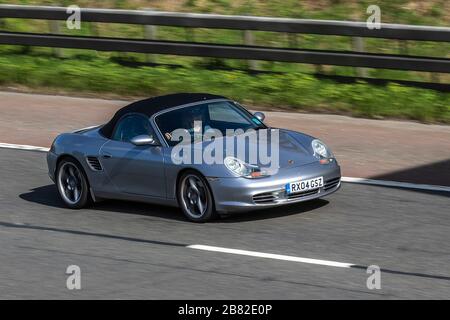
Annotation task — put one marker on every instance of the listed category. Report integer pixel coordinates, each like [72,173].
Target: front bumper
[51,164]
[242,194]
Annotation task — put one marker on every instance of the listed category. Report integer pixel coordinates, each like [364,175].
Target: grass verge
[292,90]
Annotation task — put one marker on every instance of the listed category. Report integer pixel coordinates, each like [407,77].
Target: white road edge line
[384,183]
[387,183]
[22,147]
[272,256]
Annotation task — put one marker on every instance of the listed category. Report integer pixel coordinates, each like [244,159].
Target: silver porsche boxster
[204,153]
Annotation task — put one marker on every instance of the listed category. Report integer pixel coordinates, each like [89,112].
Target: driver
[193,122]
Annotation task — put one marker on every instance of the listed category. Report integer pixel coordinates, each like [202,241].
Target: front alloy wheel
[195,197]
[72,184]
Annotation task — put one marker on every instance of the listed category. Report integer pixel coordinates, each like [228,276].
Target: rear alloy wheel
[72,184]
[195,197]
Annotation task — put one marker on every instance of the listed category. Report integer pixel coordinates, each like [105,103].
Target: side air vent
[94,164]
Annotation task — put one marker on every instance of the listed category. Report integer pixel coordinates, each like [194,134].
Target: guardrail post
[358,45]
[93,31]
[190,34]
[55,29]
[403,45]
[434,77]
[250,41]
[150,34]
[292,40]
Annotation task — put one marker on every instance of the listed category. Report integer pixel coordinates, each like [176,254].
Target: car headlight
[320,149]
[243,169]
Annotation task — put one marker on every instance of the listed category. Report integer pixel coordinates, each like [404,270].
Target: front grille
[330,184]
[266,197]
[275,195]
[302,194]
[94,163]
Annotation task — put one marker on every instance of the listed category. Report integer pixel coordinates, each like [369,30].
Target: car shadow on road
[271,213]
[48,196]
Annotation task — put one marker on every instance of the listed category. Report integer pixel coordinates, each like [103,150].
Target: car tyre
[195,197]
[72,184]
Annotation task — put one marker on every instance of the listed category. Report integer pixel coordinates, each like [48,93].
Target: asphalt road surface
[129,250]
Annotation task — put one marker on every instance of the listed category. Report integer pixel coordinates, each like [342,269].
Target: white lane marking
[272,256]
[384,183]
[22,147]
[387,183]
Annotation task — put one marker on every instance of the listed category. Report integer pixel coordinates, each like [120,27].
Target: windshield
[222,116]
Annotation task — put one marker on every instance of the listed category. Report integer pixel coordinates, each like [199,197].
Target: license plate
[304,185]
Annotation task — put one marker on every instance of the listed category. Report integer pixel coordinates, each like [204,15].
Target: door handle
[106,156]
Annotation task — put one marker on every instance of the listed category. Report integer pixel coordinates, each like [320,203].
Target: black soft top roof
[153,105]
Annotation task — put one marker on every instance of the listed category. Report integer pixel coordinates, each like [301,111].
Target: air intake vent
[330,184]
[94,163]
[302,194]
[266,197]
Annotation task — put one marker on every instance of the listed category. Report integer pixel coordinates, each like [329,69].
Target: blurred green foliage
[286,86]
[293,90]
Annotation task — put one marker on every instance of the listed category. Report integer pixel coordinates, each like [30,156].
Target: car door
[137,170]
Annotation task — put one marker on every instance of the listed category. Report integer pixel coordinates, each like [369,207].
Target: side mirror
[260,116]
[144,140]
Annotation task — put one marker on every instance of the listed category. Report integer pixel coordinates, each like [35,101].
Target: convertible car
[132,157]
